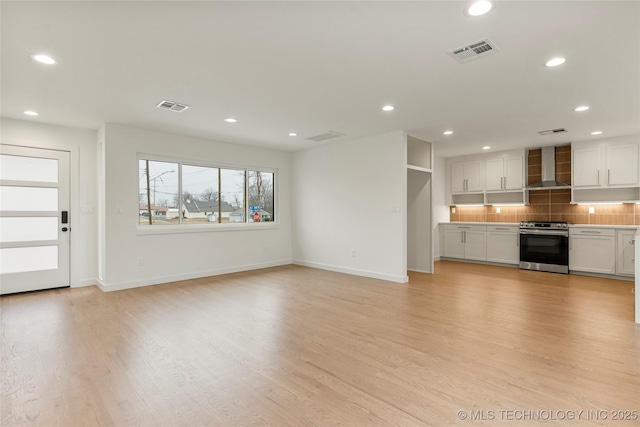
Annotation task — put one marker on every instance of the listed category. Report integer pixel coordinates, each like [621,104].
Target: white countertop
[620,227]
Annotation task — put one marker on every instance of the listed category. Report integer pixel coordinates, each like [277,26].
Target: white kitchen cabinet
[503,244]
[464,241]
[466,176]
[622,165]
[625,262]
[592,250]
[606,165]
[505,173]
[586,167]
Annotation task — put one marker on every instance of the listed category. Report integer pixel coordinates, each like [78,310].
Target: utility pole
[149,194]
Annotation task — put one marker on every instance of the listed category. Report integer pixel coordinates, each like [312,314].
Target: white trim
[419,271]
[85,282]
[352,271]
[143,230]
[167,279]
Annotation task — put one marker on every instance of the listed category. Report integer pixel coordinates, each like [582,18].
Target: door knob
[64,228]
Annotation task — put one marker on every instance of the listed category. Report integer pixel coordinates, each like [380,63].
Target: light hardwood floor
[294,346]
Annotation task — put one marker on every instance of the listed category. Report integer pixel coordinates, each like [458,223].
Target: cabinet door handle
[598,182]
[518,239]
[590,231]
[609,176]
[632,241]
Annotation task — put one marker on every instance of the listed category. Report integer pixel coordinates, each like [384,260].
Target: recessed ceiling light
[388,108]
[44,59]
[230,120]
[596,132]
[293,134]
[479,8]
[31,113]
[486,147]
[555,62]
[448,132]
[581,108]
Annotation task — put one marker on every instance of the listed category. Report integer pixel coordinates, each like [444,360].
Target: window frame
[142,229]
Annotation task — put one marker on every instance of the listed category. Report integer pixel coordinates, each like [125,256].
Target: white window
[191,193]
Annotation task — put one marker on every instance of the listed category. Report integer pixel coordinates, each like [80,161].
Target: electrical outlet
[453,210]
[592,210]
[497,210]
[140,263]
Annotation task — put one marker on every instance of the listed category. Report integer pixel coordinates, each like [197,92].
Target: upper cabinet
[419,154]
[608,165]
[466,176]
[606,171]
[504,173]
[496,178]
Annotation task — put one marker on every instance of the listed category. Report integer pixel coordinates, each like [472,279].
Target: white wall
[81,143]
[440,206]
[343,199]
[179,256]
[419,227]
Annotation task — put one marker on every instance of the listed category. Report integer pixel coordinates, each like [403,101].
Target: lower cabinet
[464,241]
[595,250]
[503,244]
[592,250]
[626,253]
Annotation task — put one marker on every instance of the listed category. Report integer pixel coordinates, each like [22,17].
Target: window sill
[143,230]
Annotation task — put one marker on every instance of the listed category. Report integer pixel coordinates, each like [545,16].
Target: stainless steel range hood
[548,172]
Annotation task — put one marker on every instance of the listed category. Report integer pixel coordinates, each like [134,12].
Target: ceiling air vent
[474,51]
[552,131]
[172,106]
[325,136]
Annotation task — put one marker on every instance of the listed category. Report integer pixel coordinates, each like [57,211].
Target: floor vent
[172,106]
[552,131]
[474,51]
[325,136]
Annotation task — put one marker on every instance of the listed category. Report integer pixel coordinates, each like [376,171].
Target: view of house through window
[260,196]
[181,193]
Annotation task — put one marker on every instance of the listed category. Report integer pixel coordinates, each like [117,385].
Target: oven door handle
[545,233]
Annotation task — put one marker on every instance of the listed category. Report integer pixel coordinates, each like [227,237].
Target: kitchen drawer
[588,231]
[503,228]
[465,227]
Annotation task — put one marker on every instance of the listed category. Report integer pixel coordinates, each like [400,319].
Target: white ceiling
[312,67]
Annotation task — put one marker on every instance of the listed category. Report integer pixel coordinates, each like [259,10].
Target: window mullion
[219,196]
[180,218]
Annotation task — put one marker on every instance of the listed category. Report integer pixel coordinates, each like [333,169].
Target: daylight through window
[172,193]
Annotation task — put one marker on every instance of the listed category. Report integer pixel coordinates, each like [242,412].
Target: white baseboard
[167,279]
[419,271]
[84,282]
[353,271]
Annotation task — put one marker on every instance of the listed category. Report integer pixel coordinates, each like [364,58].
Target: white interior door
[34,219]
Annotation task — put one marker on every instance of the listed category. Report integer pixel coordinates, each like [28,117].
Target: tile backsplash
[550,205]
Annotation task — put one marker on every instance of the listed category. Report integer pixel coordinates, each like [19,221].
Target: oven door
[544,247]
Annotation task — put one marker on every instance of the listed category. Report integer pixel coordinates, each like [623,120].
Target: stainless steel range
[544,246]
